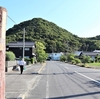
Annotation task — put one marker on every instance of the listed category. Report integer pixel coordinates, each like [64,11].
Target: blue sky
[80,17]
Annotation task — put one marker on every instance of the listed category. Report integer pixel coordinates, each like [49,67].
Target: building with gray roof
[17,49]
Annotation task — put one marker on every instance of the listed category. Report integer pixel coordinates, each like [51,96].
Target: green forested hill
[55,38]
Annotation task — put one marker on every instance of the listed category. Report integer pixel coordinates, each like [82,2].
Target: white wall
[55,56]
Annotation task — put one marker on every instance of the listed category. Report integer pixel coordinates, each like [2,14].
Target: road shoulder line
[87,77]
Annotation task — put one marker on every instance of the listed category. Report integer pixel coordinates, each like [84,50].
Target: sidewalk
[18,85]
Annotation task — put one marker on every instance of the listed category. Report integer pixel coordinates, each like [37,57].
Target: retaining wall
[10,64]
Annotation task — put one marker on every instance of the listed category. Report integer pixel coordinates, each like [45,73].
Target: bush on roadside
[10,56]
[32,60]
[73,61]
[86,59]
[70,57]
[28,61]
[63,58]
[77,60]
[92,61]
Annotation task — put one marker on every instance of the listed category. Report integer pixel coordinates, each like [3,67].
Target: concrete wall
[9,65]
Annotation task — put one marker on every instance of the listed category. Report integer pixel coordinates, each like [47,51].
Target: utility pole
[23,43]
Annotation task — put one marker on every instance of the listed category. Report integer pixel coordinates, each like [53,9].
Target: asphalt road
[65,81]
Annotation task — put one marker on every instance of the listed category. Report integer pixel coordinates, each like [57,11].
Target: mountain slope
[55,38]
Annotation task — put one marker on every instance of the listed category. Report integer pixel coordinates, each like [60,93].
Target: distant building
[17,49]
[55,56]
[91,54]
[96,51]
[77,53]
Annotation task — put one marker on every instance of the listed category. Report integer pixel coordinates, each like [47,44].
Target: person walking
[21,63]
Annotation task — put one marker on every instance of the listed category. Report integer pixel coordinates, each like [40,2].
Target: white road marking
[87,77]
[66,67]
[47,88]
[36,82]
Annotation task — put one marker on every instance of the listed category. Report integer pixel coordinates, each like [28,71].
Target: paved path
[17,85]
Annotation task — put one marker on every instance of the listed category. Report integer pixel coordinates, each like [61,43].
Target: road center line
[47,89]
[87,77]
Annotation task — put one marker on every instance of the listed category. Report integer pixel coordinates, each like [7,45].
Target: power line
[11,19]
[53,9]
[14,22]
[23,37]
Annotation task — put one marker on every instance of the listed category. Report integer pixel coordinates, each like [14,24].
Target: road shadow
[69,73]
[91,72]
[33,73]
[76,95]
[93,83]
[10,98]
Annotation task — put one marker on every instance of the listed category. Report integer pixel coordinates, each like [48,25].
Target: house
[77,53]
[55,56]
[97,51]
[17,49]
[91,54]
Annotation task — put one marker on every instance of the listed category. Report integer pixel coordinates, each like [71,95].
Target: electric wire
[73,12]
[81,16]
[14,22]
[11,19]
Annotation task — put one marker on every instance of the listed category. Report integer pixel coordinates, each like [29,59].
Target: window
[26,49]
[26,56]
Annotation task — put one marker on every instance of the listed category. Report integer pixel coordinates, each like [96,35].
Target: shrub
[92,61]
[77,60]
[86,59]
[70,57]
[73,61]
[63,58]
[27,59]
[32,60]
[10,56]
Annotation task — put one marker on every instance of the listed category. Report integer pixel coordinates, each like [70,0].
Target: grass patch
[90,65]
[93,64]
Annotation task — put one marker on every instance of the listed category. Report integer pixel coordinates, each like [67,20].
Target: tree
[41,55]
